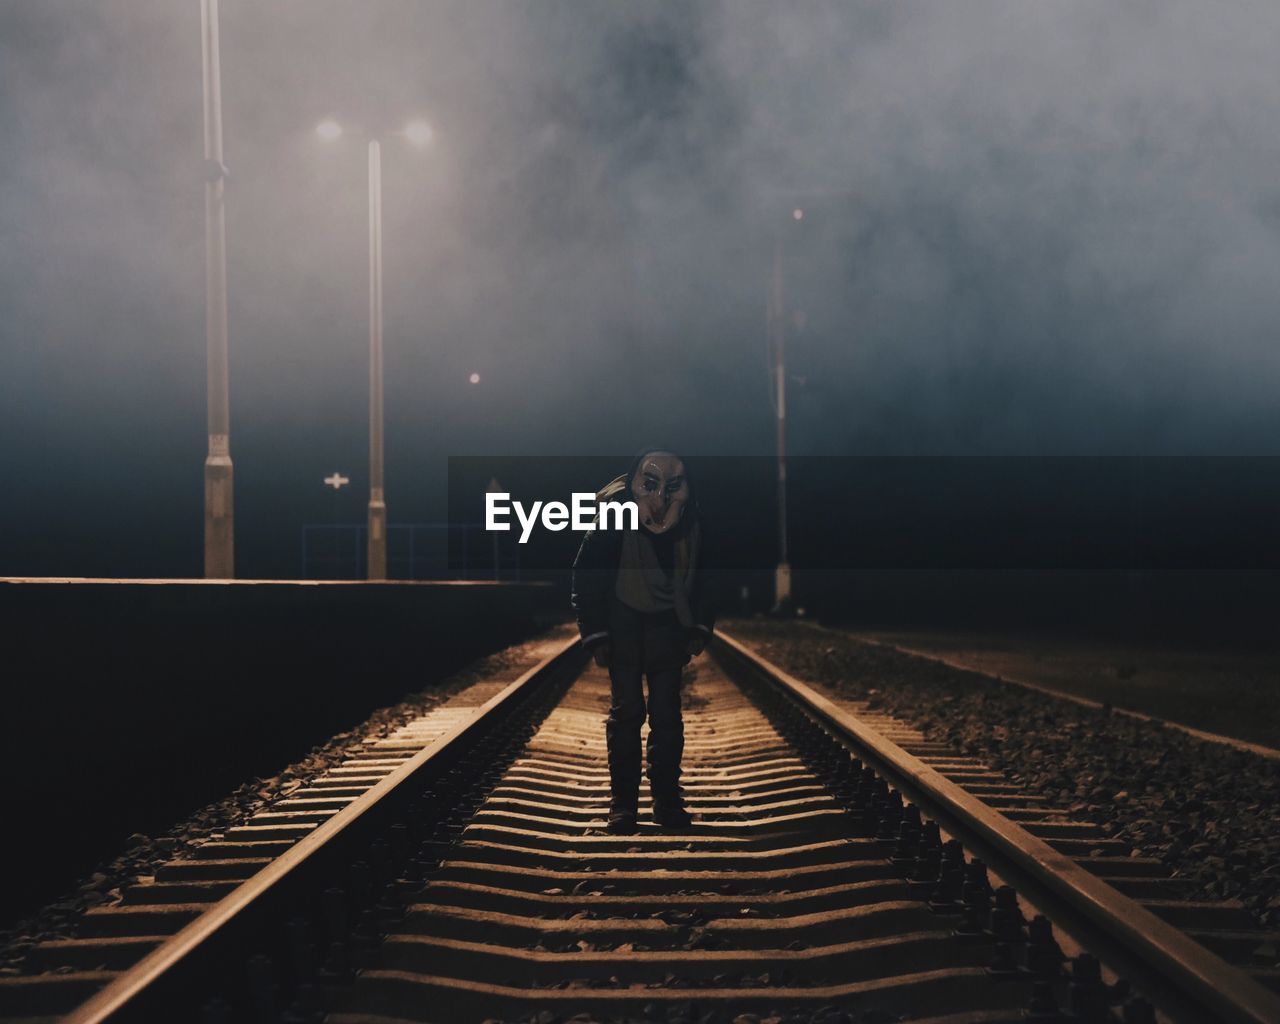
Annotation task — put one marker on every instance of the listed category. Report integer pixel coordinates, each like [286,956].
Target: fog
[1028,228]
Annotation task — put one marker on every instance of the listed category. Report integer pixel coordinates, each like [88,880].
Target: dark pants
[653,646]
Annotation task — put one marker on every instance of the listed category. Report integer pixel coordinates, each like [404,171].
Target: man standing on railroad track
[644,610]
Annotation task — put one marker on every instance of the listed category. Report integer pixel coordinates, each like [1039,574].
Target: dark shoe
[671,815]
[622,823]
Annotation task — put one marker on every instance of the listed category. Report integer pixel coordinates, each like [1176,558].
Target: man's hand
[601,652]
[696,643]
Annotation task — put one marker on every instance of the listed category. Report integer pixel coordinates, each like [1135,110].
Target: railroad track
[458,870]
[1223,925]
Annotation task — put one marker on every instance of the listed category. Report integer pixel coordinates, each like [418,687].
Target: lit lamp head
[329,130]
[419,133]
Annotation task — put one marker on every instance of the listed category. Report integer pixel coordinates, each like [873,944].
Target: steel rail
[119,1000]
[1157,950]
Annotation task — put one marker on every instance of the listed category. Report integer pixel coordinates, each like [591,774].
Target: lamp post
[419,134]
[777,328]
[776,323]
[377,552]
[219,522]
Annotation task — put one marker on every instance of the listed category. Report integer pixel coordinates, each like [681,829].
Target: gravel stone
[1206,810]
[142,854]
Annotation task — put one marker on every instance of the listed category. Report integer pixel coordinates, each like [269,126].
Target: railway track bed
[460,871]
[753,908]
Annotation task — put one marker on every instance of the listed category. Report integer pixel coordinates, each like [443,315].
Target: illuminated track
[1223,926]
[465,875]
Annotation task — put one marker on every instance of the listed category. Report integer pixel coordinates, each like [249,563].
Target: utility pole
[219,522]
[778,340]
[377,551]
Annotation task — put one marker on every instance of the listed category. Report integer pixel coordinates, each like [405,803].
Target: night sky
[1029,229]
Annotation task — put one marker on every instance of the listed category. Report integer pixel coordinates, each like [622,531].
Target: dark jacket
[595,573]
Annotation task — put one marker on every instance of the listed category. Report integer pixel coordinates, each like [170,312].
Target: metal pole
[782,576]
[377,548]
[219,523]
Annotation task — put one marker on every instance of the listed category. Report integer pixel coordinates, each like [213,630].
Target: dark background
[129,706]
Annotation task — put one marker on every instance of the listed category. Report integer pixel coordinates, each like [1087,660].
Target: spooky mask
[660,490]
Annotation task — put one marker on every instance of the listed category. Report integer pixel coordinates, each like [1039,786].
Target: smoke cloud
[1027,228]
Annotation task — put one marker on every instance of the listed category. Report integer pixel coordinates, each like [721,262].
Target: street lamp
[219,522]
[419,134]
[776,317]
[777,326]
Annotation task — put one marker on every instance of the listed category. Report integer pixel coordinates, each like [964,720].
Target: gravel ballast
[144,854]
[1206,810]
